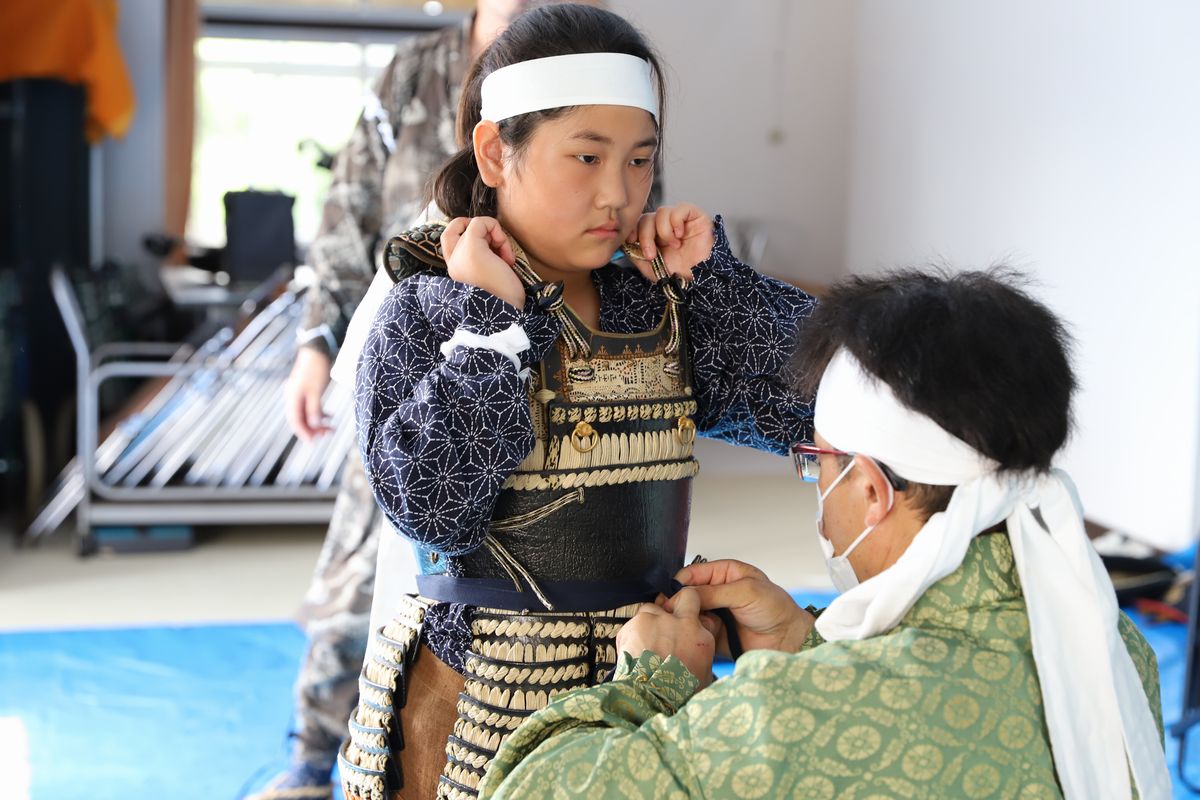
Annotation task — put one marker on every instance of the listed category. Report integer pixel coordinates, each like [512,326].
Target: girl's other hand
[682,233]
[478,253]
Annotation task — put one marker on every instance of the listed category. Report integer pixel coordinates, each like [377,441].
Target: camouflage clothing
[335,613]
[405,133]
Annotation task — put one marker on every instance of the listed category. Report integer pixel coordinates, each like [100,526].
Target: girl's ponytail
[457,188]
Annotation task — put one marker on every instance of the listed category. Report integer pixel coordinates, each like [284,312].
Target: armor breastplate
[605,493]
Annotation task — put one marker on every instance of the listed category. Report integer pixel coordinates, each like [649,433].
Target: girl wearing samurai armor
[527,403]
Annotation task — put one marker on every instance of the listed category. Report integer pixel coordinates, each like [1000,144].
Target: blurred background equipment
[210,446]
[259,236]
[44,195]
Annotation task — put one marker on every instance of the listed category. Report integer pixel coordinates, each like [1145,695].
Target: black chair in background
[260,235]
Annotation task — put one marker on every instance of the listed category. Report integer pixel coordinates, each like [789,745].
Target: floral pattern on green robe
[947,704]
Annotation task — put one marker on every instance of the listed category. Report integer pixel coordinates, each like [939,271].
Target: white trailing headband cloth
[579,79]
[1100,724]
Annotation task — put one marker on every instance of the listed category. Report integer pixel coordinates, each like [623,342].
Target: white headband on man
[1100,725]
[580,79]
[859,413]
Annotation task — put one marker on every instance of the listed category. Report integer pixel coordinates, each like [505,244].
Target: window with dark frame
[279,83]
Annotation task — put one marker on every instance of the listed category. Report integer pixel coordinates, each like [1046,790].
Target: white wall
[757,126]
[133,166]
[757,118]
[1064,138]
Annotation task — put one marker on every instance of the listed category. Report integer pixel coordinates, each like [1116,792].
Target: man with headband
[976,649]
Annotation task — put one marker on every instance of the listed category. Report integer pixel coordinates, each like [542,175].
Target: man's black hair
[974,351]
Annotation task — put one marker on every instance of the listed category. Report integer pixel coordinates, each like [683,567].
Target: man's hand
[766,616]
[682,233]
[302,394]
[478,253]
[680,632]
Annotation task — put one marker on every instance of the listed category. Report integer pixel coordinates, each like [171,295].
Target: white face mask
[841,571]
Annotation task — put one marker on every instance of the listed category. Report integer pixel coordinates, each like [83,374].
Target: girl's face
[579,187]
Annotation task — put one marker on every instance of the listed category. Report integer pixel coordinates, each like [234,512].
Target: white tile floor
[746,505]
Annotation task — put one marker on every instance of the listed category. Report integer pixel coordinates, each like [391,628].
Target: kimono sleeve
[439,434]
[743,329]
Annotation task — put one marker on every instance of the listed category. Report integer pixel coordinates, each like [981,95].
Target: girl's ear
[489,152]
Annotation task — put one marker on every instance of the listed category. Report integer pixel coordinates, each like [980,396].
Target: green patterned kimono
[947,704]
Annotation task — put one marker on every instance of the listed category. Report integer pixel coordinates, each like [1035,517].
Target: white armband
[510,342]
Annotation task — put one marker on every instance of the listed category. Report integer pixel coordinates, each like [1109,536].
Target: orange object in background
[74,41]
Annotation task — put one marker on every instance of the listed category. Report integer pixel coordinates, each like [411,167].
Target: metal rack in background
[211,447]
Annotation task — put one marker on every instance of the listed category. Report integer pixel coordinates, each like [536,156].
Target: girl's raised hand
[478,253]
[683,233]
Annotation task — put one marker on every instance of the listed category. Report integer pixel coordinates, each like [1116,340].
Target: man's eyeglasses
[806,457]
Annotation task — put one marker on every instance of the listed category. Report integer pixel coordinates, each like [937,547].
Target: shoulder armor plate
[415,251]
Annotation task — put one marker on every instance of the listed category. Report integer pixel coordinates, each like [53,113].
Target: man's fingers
[714,596]
[712,624]
[738,594]
[715,572]
[650,610]
[686,603]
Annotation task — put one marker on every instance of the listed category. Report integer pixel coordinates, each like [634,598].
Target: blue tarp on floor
[195,713]
[189,713]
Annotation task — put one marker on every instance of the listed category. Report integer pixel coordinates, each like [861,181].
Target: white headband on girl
[580,79]
[1100,724]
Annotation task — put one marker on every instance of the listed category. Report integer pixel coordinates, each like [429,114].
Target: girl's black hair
[551,30]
